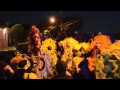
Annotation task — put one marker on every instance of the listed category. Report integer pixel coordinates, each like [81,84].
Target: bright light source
[52,19]
[76,32]
[4,30]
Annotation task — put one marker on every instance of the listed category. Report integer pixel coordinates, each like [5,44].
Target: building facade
[3,38]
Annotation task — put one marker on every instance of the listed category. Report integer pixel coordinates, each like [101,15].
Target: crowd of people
[66,59]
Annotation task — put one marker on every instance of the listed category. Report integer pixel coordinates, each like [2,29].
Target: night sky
[96,21]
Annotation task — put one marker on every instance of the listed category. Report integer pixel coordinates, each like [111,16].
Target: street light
[52,20]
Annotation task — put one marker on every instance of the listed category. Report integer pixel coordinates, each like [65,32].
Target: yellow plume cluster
[49,46]
[77,60]
[69,65]
[68,42]
[68,46]
[84,45]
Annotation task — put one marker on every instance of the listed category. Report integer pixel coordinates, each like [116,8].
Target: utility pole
[61,23]
[61,14]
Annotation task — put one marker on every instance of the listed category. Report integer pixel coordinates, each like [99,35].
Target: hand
[9,68]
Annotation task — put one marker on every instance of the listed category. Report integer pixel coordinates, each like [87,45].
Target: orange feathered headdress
[16,59]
